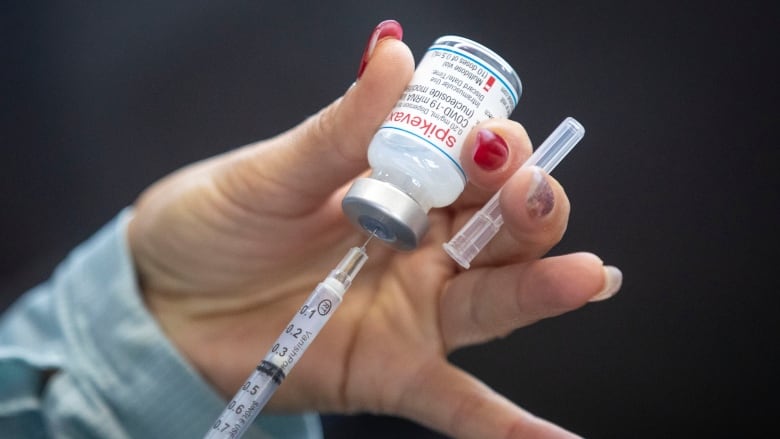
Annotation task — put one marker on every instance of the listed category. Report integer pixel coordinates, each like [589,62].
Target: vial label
[451,91]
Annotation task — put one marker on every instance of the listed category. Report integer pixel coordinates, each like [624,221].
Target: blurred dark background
[674,181]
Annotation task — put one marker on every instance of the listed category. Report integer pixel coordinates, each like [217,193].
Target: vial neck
[408,184]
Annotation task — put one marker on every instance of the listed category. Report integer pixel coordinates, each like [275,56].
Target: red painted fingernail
[387,28]
[491,152]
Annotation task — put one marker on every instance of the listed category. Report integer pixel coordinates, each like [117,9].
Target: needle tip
[363,247]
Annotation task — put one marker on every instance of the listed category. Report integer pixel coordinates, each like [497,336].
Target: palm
[390,324]
[273,264]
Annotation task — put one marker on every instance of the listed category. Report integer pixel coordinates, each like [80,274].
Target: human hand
[228,249]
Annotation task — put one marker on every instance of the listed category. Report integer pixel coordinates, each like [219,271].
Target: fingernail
[541,198]
[387,28]
[491,151]
[613,280]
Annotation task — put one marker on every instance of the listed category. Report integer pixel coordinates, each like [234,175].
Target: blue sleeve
[80,356]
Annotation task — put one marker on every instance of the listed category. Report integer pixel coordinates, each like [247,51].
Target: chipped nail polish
[541,198]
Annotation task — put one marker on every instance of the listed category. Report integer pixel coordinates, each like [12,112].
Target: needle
[363,247]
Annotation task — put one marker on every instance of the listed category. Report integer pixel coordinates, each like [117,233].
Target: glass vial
[415,154]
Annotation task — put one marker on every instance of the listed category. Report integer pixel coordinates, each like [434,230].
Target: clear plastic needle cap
[483,226]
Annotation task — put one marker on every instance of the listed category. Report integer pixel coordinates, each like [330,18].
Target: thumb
[310,161]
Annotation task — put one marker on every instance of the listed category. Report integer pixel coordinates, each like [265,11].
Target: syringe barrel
[279,361]
[244,407]
[287,349]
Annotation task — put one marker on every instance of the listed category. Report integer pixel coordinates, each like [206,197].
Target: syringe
[484,225]
[288,348]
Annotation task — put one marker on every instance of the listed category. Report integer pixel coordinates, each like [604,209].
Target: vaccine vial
[415,154]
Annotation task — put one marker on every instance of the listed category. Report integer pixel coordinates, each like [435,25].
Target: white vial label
[451,91]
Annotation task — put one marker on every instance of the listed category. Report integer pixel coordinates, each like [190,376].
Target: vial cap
[386,211]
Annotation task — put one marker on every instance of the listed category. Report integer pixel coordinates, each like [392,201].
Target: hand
[229,248]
